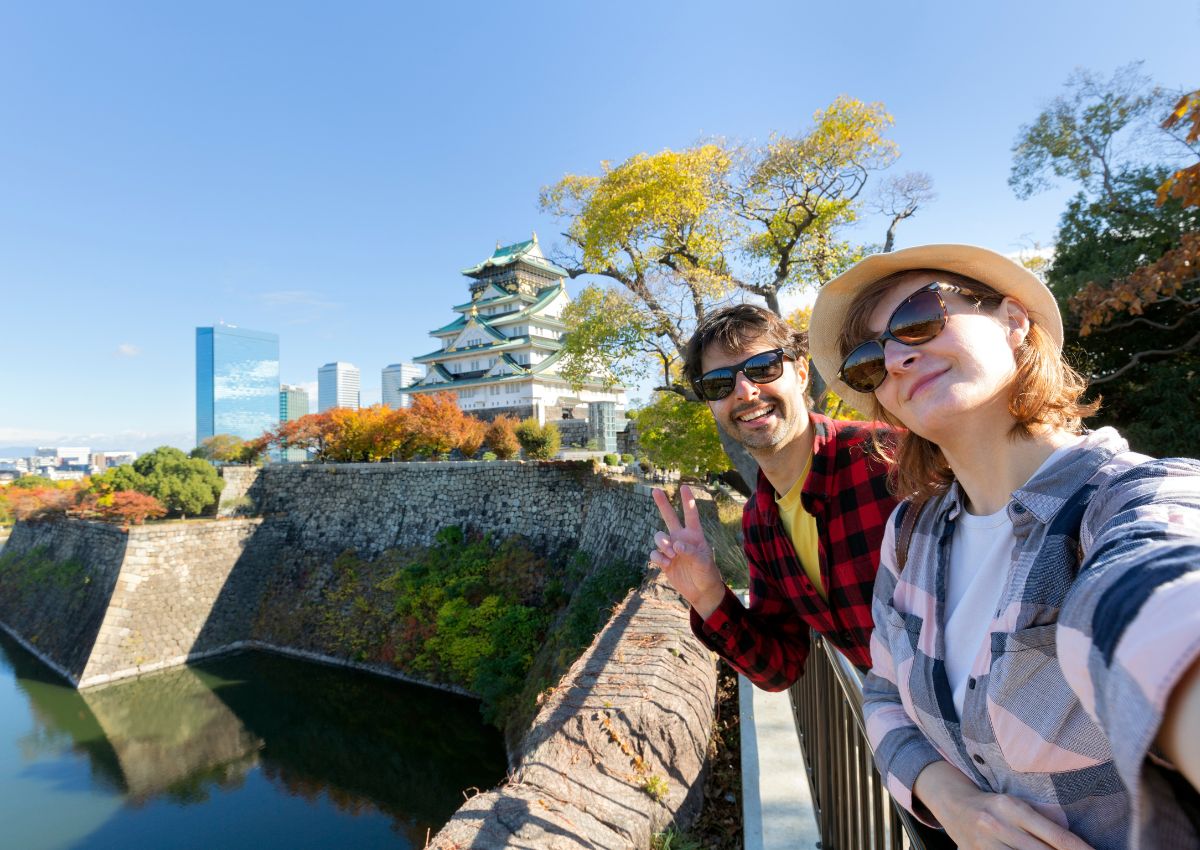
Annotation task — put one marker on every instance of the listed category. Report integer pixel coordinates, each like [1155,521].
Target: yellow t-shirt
[801,527]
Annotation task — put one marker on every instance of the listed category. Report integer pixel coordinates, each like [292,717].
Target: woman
[1037,607]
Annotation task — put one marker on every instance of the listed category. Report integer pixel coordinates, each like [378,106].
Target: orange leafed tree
[311,432]
[473,433]
[1171,281]
[133,507]
[437,423]
[432,427]
[40,503]
[1184,184]
[501,437]
[367,434]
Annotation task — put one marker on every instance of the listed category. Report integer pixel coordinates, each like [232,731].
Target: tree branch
[1141,355]
[1142,320]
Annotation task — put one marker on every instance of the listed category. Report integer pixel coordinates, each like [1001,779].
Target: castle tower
[500,355]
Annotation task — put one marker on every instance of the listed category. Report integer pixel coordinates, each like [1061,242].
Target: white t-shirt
[980,559]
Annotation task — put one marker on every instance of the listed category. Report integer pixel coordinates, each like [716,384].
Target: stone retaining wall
[156,595]
[185,590]
[54,599]
[370,507]
[112,603]
[615,753]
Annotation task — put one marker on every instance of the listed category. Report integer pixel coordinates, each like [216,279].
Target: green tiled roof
[516,342]
[506,255]
[457,325]
[507,297]
[544,296]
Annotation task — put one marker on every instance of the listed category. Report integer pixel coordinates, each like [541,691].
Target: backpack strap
[907,525]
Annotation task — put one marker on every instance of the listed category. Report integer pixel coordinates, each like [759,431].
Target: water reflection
[171,734]
[236,752]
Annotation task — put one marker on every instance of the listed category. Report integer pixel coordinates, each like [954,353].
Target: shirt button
[1018,508]
[971,683]
[978,758]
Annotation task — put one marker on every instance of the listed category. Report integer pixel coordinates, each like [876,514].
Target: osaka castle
[501,354]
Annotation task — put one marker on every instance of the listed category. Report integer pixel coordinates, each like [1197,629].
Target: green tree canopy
[1131,327]
[678,434]
[676,233]
[185,486]
[32,482]
[1091,133]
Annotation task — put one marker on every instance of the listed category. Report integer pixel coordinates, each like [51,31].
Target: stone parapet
[616,752]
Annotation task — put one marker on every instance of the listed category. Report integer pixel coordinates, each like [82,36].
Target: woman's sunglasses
[918,318]
[762,368]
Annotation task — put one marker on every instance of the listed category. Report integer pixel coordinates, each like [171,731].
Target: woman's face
[962,376]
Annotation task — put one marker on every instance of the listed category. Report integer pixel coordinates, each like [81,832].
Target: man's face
[762,417]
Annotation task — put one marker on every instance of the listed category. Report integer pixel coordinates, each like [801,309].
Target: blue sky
[324,171]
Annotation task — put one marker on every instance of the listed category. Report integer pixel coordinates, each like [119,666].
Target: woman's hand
[980,820]
[685,556]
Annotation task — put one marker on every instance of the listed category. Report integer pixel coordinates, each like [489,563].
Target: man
[814,524]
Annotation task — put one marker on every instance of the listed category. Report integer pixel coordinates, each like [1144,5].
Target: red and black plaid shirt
[846,491]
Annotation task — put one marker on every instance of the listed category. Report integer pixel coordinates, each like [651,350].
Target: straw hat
[981,264]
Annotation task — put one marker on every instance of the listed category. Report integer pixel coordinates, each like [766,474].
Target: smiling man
[813,526]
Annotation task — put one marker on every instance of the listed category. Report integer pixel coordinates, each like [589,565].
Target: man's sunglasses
[761,368]
[918,318]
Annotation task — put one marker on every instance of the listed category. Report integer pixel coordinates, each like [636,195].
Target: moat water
[248,751]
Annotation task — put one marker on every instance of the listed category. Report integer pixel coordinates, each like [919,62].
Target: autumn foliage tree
[36,504]
[132,507]
[1184,183]
[501,437]
[437,425]
[432,428]
[364,434]
[674,234]
[1124,265]
[474,432]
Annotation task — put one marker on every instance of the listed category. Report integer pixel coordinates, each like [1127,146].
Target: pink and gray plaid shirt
[1099,618]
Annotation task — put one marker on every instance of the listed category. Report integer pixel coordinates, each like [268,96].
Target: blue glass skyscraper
[237,382]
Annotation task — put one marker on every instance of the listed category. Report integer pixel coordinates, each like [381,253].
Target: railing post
[854,810]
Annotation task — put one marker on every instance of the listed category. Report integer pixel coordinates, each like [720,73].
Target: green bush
[185,486]
[626,458]
[486,614]
[540,442]
[612,460]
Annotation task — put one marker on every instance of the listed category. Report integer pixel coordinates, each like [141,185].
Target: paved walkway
[777,806]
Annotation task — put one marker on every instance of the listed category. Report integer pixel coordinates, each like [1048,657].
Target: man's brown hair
[1046,391]
[737,327]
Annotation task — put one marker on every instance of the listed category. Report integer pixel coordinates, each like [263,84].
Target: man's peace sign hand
[684,555]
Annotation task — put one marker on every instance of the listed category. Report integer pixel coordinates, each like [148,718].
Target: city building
[395,378]
[293,403]
[107,460]
[338,386]
[73,455]
[501,355]
[237,382]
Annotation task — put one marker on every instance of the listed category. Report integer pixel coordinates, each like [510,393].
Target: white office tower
[338,386]
[395,378]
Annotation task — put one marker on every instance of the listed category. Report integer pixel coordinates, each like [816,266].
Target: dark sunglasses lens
[863,369]
[919,319]
[764,368]
[716,385]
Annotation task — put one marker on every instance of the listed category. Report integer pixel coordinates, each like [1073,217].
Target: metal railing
[854,811]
